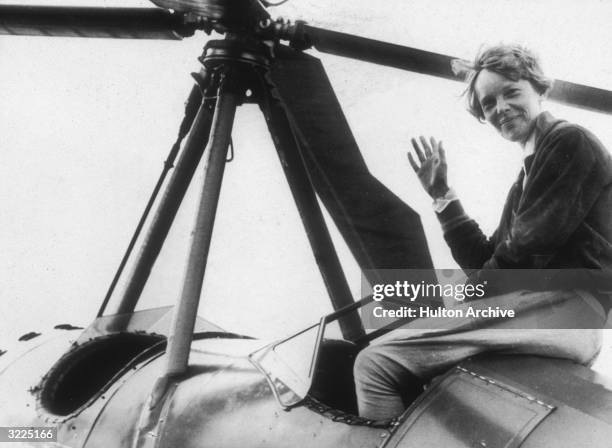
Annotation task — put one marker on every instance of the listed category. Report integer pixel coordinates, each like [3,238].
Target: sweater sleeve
[470,247]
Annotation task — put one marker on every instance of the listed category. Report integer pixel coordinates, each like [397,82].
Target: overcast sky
[85,126]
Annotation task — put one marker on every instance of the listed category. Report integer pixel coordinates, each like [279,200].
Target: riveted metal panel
[469,410]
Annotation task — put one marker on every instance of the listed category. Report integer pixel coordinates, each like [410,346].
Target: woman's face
[510,106]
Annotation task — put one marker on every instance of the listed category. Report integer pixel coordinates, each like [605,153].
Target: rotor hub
[232,51]
[231,13]
[246,59]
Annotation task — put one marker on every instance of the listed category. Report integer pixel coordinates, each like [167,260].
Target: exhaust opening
[83,372]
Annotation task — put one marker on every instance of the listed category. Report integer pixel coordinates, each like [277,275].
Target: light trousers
[559,324]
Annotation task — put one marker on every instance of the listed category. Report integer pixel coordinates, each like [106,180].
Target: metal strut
[168,207]
[191,109]
[293,163]
[185,312]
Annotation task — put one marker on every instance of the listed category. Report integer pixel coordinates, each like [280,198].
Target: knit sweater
[560,219]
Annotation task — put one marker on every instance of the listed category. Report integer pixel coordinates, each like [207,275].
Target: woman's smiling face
[510,106]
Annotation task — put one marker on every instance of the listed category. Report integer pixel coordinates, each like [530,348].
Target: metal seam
[522,395]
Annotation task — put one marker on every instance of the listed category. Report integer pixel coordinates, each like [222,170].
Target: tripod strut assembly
[233,66]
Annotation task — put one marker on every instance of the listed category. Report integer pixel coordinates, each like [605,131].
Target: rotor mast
[232,66]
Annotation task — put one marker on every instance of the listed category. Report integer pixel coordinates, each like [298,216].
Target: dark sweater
[562,219]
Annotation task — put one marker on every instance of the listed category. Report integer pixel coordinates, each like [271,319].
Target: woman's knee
[384,386]
[369,366]
[378,366]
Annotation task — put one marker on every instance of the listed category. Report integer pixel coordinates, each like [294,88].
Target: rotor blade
[380,229]
[377,52]
[434,64]
[119,23]
[578,95]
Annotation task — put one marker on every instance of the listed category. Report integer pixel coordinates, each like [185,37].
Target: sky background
[85,125]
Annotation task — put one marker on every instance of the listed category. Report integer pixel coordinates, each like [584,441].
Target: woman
[556,216]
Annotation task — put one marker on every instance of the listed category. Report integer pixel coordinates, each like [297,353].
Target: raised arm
[469,245]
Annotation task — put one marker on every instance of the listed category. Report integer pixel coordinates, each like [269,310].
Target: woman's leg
[389,373]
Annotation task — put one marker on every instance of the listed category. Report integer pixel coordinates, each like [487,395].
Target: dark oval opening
[83,372]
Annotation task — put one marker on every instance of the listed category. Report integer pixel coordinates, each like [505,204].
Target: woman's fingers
[426,150]
[426,146]
[434,146]
[417,150]
[414,165]
[441,152]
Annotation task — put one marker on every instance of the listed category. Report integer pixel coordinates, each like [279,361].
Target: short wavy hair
[511,61]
